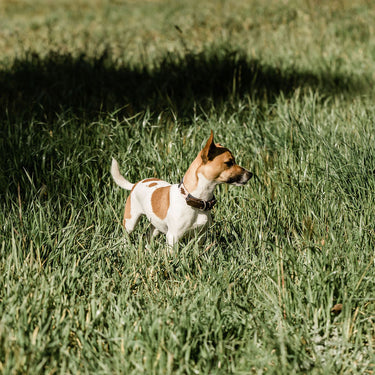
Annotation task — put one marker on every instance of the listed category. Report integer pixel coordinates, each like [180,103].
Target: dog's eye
[229,163]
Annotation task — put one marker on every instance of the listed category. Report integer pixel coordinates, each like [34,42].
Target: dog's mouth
[241,179]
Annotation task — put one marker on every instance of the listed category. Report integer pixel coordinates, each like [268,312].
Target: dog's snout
[249,175]
[241,178]
[246,176]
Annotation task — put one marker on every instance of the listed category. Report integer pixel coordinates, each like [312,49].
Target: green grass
[287,86]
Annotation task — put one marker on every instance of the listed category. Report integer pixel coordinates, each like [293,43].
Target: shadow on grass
[43,87]
[39,88]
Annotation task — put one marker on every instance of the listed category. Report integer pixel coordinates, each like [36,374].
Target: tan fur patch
[191,178]
[152,184]
[150,180]
[160,201]
[127,213]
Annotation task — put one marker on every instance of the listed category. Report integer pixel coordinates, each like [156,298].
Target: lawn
[287,86]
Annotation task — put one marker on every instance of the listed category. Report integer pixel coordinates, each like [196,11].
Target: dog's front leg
[152,233]
[172,239]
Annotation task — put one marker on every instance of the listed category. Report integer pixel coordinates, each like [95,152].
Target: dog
[185,207]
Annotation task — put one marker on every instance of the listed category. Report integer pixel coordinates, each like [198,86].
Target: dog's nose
[245,176]
[249,174]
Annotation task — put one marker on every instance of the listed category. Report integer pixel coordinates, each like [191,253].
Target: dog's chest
[202,220]
[184,216]
[192,219]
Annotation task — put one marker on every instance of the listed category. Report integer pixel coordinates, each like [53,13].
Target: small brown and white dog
[181,208]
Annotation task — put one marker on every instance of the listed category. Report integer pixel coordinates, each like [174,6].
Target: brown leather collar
[196,202]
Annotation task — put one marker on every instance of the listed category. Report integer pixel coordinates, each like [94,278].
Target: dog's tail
[118,178]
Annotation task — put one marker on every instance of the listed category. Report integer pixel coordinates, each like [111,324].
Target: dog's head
[218,164]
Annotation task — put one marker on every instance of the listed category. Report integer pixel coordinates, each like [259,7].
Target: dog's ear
[208,150]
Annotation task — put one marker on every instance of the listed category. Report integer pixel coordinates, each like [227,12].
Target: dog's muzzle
[241,179]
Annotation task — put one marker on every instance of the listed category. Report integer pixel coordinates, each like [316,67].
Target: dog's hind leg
[131,216]
[130,224]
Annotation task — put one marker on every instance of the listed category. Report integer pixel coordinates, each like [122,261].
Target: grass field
[288,86]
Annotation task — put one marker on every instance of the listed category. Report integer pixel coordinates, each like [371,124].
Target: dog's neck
[196,183]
